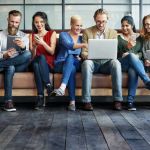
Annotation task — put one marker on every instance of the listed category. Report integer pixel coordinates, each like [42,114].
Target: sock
[63,87]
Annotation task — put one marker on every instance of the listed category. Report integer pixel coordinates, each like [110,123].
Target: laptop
[102,48]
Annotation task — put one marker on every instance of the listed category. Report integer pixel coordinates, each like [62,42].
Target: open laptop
[102,48]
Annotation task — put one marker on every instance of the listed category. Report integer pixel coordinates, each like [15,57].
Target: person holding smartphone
[14,55]
[42,46]
[129,55]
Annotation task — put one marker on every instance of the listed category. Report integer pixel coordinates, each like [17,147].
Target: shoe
[58,92]
[117,105]
[71,107]
[49,88]
[9,106]
[87,107]
[39,102]
[147,85]
[131,106]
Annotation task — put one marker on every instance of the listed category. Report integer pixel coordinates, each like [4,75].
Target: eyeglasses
[101,22]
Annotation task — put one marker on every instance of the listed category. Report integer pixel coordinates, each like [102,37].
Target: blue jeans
[9,66]
[41,71]
[112,67]
[132,64]
[68,69]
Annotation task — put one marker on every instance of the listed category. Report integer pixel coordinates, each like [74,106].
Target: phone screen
[11,44]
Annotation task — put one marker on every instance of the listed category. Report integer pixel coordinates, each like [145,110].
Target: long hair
[130,21]
[44,17]
[144,32]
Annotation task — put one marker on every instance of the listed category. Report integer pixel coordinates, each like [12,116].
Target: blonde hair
[74,19]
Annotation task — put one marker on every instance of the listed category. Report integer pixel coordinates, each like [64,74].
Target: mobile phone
[36,37]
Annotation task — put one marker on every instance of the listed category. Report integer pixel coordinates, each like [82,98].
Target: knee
[42,58]
[10,70]
[115,64]
[87,65]
[132,56]
[27,55]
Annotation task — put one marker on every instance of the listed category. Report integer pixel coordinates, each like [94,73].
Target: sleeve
[26,41]
[66,41]
[137,49]
[145,57]
[84,51]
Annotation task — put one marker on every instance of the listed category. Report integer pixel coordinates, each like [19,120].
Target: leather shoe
[117,105]
[87,107]
[148,85]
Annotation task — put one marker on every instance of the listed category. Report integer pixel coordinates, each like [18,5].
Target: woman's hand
[131,43]
[147,63]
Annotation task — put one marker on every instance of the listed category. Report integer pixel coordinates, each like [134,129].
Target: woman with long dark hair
[129,55]
[42,46]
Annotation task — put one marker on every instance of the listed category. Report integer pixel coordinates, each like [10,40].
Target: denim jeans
[41,71]
[112,67]
[132,64]
[68,69]
[9,66]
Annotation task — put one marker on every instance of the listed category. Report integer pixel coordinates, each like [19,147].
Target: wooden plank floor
[54,128]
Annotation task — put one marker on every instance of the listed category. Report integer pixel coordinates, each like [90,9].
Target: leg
[8,80]
[44,69]
[137,65]
[132,84]
[38,79]
[44,72]
[39,84]
[113,67]
[18,60]
[87,70]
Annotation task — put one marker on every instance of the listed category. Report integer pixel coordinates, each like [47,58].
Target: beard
[12,30]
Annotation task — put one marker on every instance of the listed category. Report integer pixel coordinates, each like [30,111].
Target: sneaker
[58,92]
[9,106]
[131,106]
[39,102]
[49,88]
[71,107]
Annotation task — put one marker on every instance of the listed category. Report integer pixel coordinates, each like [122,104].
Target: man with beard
[14,54]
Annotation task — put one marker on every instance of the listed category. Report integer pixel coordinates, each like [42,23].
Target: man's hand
[19,42]
[9,53]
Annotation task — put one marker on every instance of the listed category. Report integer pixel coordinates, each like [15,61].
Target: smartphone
[36,37]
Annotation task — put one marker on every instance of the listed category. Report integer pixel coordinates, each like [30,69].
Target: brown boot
[87,107]
[117,105]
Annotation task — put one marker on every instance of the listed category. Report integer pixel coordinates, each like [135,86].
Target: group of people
[38,50]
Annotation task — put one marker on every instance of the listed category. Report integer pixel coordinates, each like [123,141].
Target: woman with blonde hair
[68,59]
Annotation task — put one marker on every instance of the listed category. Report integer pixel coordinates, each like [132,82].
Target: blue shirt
[65,48]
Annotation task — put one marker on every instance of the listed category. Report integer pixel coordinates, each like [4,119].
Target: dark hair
[44,17]
[144,32]
[100,11]
[130,20]
[14,13]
